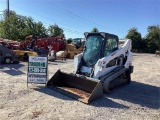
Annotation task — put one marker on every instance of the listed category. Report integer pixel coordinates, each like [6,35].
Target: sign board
[37,70]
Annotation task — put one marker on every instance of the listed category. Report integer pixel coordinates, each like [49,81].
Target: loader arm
[120,57]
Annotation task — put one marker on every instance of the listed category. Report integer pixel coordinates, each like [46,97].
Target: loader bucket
[77,87]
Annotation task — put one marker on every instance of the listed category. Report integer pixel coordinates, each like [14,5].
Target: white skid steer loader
[100,67]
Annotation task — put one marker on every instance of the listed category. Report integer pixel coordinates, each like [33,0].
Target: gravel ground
[138,100]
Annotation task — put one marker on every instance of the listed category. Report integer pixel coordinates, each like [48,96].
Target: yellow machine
[70,51]
[23,55]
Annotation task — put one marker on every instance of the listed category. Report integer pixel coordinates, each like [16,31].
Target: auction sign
[37,70]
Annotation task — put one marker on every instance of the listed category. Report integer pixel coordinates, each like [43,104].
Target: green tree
[135,36]
[95,30]
[153,38]
[33,28]
[40,29]
[9,26]
[55,30]
[18,27]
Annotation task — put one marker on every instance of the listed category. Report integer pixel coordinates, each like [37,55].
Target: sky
[78,16]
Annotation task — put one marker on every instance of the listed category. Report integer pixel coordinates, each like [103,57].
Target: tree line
[17,27]
[148,44]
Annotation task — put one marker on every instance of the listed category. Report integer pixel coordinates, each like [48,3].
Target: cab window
[111,45]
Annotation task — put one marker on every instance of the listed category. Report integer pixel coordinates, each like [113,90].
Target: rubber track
[113,74]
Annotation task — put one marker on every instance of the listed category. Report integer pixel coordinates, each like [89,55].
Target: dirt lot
[139,100]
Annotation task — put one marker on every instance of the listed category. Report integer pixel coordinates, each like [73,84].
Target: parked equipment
[24,55]
[7,56]
[76,47]
[36,46]
[56,43]
[102,66]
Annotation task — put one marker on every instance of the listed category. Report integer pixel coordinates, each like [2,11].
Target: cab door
[111,45]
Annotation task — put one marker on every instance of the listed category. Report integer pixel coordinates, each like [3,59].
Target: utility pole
[8,8]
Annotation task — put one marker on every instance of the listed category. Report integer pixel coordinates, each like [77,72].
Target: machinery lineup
[40,46]
[100,64]
[70,51]
[53,47]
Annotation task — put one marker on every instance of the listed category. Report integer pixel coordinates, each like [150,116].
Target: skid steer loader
[100,67]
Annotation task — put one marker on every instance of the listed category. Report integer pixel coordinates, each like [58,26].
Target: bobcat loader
[100,67]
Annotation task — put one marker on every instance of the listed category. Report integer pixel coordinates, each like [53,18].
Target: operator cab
[97,46]
[79,42]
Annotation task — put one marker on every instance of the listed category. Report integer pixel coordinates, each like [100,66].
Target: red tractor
[57,43]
